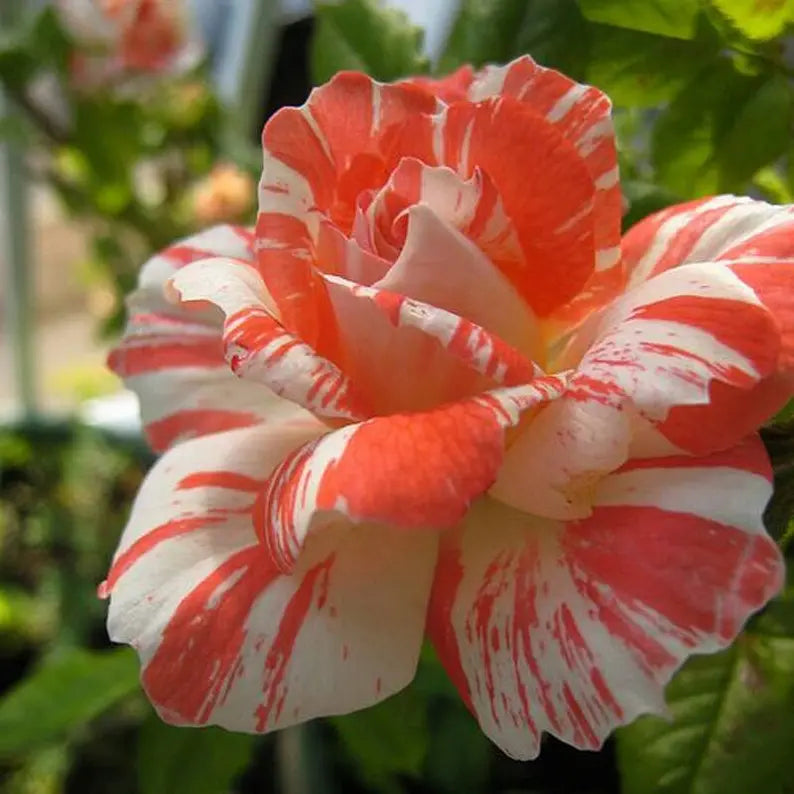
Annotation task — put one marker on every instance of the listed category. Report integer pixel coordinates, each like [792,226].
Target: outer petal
[173,357]
[575,629]
[665,345]
[224,637]
[706,230]
[408,471]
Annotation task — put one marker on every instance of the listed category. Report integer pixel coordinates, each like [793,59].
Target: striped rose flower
[120,37]
[433,394]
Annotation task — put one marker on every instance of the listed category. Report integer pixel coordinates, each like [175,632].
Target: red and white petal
[582,114]
[172,358]
[317,160]
[417,471]
[450,88]
[259,349]
[549,196]
[706,230]
[225,638]
[694,325]
[694,337]
[441,267]
[405,355]
[574,629]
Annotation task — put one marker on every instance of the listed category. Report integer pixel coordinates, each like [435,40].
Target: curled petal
[407,355]
[407,471]
[440,266]
[548,196]
[224,637]
[173,357]
[575,628]
[258,348]
[693,337]
[582,114]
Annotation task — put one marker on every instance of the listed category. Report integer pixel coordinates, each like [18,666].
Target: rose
[119,37]
[491,427]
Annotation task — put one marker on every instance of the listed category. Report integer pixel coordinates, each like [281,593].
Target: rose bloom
[226,193]
[433,394]
[123,36]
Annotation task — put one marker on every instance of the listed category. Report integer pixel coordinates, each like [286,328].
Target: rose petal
[662,346]
[173,358]
[582,114]
[408,471]
[259,349]
[405,355]
[439,266]
[554,226]
[223,637]
[575,629]
[706,230]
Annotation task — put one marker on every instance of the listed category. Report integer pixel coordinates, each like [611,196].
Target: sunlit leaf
[676,18]
[757,20]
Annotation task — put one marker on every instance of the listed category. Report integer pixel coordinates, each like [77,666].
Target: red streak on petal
[199,653]
[183,424]
[149,541]
[220,479]
[280,653]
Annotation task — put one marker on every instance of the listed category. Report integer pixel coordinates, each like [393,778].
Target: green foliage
[676,18]
[366,36]
[485,31]
[62,696]
[124,154]
[732,720]
[189,761]
[757,20]
[642,69]
[387,741]
[496,32]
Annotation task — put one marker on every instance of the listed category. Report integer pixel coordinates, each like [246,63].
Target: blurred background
[125,125]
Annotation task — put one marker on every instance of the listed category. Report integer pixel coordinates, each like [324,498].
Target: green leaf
[458,761]
[553,32]
[484,32]
[190,760]
[720,130]
[733,720]
[675,18]
[366,36]
[759,134]
[757,20]
[641,69]
[62,695]
[387,740]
